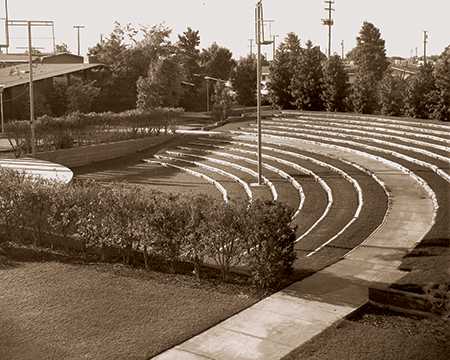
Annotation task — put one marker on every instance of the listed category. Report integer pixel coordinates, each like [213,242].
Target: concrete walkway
[39,169]
[279,324]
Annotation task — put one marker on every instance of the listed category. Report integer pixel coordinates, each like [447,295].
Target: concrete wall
[86,155]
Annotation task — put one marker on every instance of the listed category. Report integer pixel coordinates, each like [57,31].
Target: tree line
[303,78]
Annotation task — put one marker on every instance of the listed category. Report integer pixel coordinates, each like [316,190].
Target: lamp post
[259,32]
[208,79]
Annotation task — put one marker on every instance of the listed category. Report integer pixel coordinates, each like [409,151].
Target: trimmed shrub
[119,223]
[77,129]
[269,240]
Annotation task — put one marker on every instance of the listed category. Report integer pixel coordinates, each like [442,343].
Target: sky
[231,22]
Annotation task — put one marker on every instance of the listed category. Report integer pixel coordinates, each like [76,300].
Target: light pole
[78,28]
[259,32]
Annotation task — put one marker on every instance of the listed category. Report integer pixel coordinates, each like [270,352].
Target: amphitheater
[365,190]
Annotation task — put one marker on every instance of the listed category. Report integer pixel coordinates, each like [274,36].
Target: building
[46,71]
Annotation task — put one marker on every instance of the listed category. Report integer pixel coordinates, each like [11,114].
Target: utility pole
[329,22]
[29,24]
[78,28]
[342,49]
[425,42]
[30,63]
[251,46]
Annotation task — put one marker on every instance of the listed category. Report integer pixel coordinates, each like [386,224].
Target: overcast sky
[230,22]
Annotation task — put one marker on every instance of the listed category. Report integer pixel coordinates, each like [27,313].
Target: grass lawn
[380,335]
[52,310]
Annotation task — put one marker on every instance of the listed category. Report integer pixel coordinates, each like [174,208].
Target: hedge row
[110,220]
[77,129]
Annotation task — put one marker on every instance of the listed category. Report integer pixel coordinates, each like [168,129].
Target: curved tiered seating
[228,164]
[212,169]
[364,143]
[217,184]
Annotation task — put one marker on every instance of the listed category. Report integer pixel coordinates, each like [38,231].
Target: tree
[81,95]
[371,64]
[441,95]
[307,83]
[128,53]
[62,48]
[335,84]
[392,91]
[420,92]
[189,58]
[282,71]
[370,52]
[217,62]
[162,86]
[244,80]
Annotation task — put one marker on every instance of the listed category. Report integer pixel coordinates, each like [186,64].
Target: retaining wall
[85,155]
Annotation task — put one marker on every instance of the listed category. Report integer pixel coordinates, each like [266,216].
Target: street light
[259,30]
[208,78]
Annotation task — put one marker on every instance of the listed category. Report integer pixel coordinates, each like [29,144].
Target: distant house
[15,81]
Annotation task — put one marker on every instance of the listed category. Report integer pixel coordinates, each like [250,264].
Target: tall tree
[162,87]
[244,80]
[307,82]
[217,61]
[128,53]
[392,95]
[282,71]
[335,85]
[441,96]
[420,92]
[371,62]
[189,58]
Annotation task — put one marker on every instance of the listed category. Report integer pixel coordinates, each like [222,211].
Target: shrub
[53,133]
[270,242]
[113,221]
[226,238]
[197,230]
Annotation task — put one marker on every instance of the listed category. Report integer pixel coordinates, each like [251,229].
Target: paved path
[284,321]
[39,168]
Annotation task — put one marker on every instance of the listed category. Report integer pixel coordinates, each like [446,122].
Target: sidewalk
[279,324]
[39,168]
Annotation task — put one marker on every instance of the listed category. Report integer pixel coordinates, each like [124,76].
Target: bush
[112,222]
[53,133]
[269,242]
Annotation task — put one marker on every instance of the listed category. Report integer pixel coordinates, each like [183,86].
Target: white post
[30,61]
[258,88]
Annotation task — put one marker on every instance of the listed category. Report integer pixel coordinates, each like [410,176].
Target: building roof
[15,58]
[18,75]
